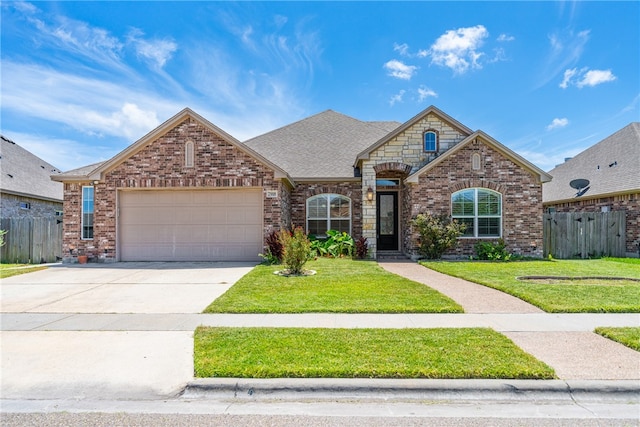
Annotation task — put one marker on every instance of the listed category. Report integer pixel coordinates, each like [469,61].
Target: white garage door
[188,225]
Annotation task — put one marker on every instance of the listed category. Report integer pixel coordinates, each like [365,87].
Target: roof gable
[486,139]
[25,174]
[612,166]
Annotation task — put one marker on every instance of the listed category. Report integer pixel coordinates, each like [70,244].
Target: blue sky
[83,80]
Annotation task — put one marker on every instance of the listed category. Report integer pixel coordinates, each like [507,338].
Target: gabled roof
[513,156]
[321,146]
[398,130]
[25,174]
[97,171]
[612,167]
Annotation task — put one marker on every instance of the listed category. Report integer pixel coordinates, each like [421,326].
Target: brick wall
[521,197]
[161,165]
[630,203]
[10,207]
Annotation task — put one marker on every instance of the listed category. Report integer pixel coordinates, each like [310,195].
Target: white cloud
[596,77]
[396,98]
[565,51]
[505,38]
[402,49]
[558,123]
[157,51]
[400,70]
[425,92]
[459,49]
[585,77]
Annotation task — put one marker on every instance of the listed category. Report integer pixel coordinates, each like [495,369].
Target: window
[480,209]
[25,205]
[430,141]
[475,161]
[189,156]
[87,212]
[328,212]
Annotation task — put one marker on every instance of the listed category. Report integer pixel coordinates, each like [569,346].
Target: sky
[81,81]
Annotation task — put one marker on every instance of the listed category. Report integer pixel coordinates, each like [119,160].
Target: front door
[387,221]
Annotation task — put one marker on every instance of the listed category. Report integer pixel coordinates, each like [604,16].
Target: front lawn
[627,336]
[361,353]
[557,296]
[8,270]
[340,286]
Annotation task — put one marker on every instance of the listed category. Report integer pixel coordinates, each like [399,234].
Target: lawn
[626,336]
[8,270]
[361,353]
[558,296]
[340,286]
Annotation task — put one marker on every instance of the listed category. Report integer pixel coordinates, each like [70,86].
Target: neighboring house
[190,191]
[612,169]
[26,188]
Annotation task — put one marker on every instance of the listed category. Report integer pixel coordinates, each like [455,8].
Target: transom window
[328,212]
[430,141]
[480,209]
[87,212]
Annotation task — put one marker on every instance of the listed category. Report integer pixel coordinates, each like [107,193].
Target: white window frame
[475,216]
[189,154]
[327,217]
[82,212]
[424,141]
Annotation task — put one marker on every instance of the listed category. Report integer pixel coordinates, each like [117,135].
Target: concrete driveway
[121,363]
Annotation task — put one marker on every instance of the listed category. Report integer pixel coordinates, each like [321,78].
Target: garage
[190,225]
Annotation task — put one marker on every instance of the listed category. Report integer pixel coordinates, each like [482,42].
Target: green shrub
[336,245]
[296,250]
[437,234]
[492,251]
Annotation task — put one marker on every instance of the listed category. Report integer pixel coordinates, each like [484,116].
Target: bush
[273,251]
[437,234]
[336,245]
[495,251]
[2,233]
[362,247]
[296,250]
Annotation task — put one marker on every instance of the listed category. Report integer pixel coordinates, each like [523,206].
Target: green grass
[8,270]
[627,336]
[340,286]
[601,296]
[361,353]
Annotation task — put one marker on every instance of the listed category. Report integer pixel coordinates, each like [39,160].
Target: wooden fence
[31,240]
[585,234]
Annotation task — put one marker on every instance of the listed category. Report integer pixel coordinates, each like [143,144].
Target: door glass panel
[387,210]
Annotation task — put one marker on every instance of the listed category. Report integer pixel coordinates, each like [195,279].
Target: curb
[425,389]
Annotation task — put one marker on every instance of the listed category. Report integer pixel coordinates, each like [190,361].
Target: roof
[542,175]
[321,146]
[612,166]
[96,171]
[25,174]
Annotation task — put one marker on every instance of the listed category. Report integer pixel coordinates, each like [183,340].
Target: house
[190,191]
[605,177]
[26,188]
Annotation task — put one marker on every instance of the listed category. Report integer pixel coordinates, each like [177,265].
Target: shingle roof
[612,166]
[23,173]
[324,145]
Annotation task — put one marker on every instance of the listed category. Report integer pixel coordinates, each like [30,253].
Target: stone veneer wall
[630,203]
[303,191]
[10,207]
[161,165]
[521,197]
[405,148]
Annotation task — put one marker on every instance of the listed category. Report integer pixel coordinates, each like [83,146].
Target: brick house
[190,191]
[612,169]
[26,189]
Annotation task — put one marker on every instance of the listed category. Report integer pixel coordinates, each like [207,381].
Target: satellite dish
[579,183]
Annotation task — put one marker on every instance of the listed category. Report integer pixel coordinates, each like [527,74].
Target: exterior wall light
[370,194]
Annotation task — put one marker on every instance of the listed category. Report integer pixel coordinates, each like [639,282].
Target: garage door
[187,225]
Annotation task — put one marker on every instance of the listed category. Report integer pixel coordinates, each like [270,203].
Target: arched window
[480,209]
[430,141]
[328,212]
[189,155]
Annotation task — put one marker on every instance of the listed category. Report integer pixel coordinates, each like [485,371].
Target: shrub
[437,234]
[495,251]
[296,250]
[362,247]
[336,245]
[2,233]
[273,251]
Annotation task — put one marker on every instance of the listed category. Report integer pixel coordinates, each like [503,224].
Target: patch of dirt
[287,273]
